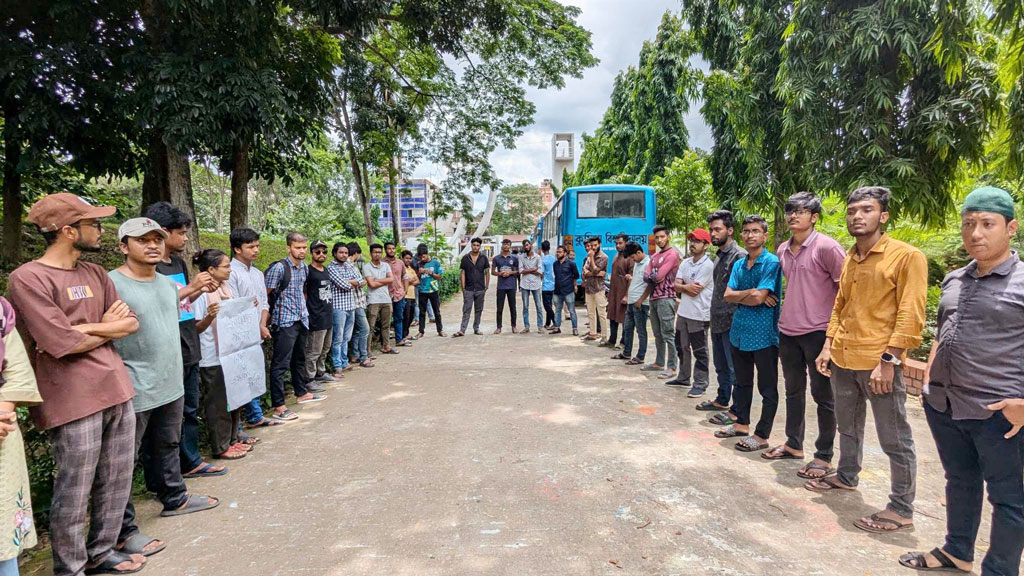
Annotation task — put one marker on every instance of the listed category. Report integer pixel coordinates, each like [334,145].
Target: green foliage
[516,210]
[450,284]
[684,193]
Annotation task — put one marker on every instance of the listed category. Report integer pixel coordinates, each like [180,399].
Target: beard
[85,247]
[718,241]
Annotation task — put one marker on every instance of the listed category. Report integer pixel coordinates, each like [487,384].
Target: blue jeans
[721,349]
[636,318]
[397,319]
[975,455]
[344,321]
[568,300]
[361,330]
[9,567]
[189,447]
[526,306]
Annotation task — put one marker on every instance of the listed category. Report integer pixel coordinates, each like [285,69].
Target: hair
[505,241]
[294,237]
[880,194]
[593,239]
[375,246]
[337,245]
[476,240]
[803,201]
[660,228]
[242,236]
[124,240]
[725,216]
[756,219]
[421,248]
[353,248]
[545,246]
[631,248]
[209,258]
[389,243]
[624,237]
[406,253]
[167,215]
[50,236]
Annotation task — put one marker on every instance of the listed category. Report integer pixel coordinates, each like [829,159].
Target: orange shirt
[880,303]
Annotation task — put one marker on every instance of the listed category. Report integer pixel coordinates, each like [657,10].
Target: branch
[390,64]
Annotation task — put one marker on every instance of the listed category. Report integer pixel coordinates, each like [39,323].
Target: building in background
[563,157]
[547,194]
[414,197]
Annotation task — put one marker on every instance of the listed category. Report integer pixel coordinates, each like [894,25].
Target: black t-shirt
[475,273]
[318,300]
[177,270]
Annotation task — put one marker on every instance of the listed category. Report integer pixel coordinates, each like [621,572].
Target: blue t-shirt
[427,282]
[548,283]
[756,327]
[503,263]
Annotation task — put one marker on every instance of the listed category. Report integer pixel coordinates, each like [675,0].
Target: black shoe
[679,383]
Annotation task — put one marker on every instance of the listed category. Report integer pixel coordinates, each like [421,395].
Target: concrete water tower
[563,157]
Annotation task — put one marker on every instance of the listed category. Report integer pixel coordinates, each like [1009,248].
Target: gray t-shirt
[530,281]
[153,354]
[377,295]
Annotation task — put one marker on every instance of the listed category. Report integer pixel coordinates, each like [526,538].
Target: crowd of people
[118,365]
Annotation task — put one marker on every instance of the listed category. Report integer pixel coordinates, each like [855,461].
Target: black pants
[221,424]
[434,299]
[766,360]
[289,353]
[509,293]
[548,297]
[157,439]
[613,331]
[797,355]
[975,455]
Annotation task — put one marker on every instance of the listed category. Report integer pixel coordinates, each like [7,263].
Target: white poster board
[241,357]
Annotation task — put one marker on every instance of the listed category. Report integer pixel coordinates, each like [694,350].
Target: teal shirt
[756,327]
[153,354]
[427,283]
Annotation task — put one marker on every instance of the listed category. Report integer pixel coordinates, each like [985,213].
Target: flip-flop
[136,543]
[229,454]
[204,471]
[314,398]
[651,368]
[831,485]
[389,351]
[917,561]
[195,503]
[113,559]
[749,444]
[812,465]
[721,419]
[634,362]
[859,523]
[729,432]
[781,454]
[265,423]
[285,416]
[709,406]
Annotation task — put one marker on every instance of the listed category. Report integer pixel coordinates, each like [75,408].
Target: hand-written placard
[241,357]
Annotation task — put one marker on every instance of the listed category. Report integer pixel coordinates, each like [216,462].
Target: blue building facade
[413,204]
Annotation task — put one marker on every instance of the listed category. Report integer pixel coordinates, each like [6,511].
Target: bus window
[610,204]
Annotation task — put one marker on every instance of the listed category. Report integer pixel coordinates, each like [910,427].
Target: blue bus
[604,210]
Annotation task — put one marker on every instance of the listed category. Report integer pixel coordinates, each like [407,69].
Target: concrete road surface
[527,454]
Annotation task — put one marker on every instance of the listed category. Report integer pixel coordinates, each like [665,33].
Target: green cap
[989,199]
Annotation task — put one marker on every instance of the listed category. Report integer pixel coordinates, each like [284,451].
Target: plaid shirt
[343,295]
[291,302]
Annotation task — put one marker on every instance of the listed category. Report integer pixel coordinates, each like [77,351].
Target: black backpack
[282,283]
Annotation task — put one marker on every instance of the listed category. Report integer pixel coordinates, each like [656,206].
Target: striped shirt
[343,295]
[291,302]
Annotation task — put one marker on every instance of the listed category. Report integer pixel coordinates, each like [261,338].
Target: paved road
[520,455]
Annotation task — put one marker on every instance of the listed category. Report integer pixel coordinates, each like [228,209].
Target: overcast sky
[618,28]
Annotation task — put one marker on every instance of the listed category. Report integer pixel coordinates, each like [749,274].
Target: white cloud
[619,29]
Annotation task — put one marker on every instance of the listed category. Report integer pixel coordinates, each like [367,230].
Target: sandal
[109,563]
[285,416]
[458,334]
[721,419]
[620,356]
[229,454]
[897,527]
[729,432]
[366,364]
[710,406]
[750,444]
[241,446]
[826,484]
[136,544]
[634,362]
[917,561]
[265,423]
[205,470]
[780,453]
[812,465]
[193,504]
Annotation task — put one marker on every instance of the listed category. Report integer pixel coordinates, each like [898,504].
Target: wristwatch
[890,359]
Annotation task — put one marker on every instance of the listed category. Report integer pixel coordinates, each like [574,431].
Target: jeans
[636,319]
[721,349]
[378,318]
[9,567]
[510,294]
[568,300]
[975,455]
[894,433]
[472,301]
[766,360]
[526,294]
[410,315]
[344,322]
[434,301]
[358,344]
[597,312]
[157,435]
[691,338]
[663,318]
[254,411]
[398,319]
[797,355]
[289,354]
[190,458]
[548,296]
[318,346]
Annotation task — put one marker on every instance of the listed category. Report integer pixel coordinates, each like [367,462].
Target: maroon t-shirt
[48,302]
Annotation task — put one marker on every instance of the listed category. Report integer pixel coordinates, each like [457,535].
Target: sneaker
[679,383]
[695,393]
[325,377]
[555,331]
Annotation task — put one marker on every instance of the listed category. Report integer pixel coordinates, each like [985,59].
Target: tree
[684,192]
[517,209]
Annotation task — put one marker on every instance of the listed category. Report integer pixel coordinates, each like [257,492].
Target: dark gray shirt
[721,311]
[980,356]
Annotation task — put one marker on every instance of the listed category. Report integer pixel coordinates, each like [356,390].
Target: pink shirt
[812,281]
[397,287]
[661,272]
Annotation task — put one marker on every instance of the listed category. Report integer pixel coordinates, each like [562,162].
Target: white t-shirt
[207,346]
[703,272]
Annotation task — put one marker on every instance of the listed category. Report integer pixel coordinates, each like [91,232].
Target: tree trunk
[396,226]
[12,188]
[240,185]
[362,192]
[168,178]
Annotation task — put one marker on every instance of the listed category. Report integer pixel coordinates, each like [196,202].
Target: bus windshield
[610,204]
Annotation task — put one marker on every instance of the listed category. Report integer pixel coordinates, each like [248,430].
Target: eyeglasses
[319,251]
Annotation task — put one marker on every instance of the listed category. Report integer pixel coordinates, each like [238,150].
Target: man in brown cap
[68,314]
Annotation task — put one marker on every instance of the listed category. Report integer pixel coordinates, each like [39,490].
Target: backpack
[282,283]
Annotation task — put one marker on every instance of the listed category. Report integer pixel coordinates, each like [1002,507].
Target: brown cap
[53,212]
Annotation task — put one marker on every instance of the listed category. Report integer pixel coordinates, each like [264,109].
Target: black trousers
[289,354]
[409,315]
[797,355]
[434,299]
[613,331]
[510,294]
[766,360]
[221,424]
[548,297]
[157,438]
